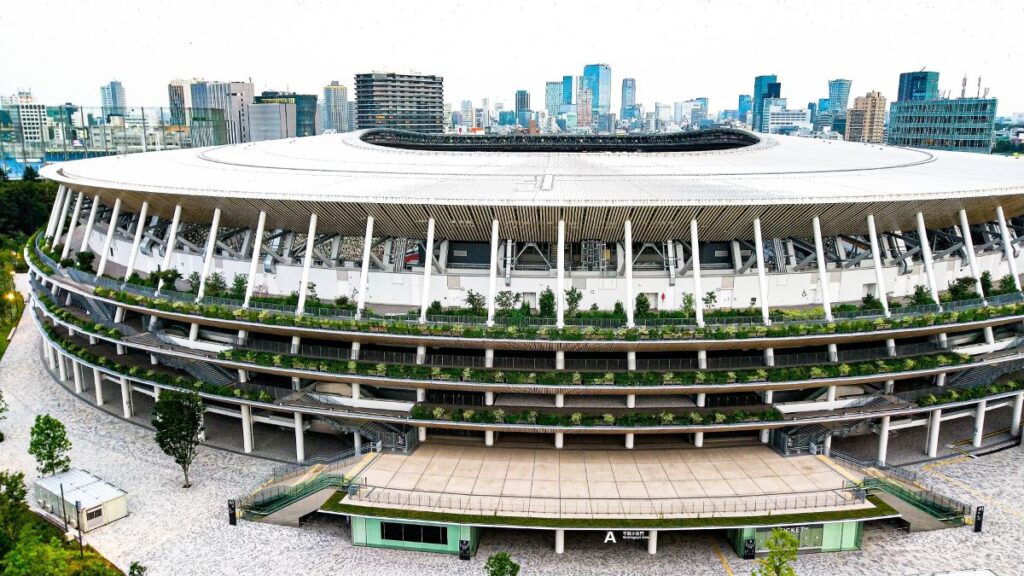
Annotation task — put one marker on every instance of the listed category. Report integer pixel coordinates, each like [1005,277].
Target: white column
[246,428]
[560,275]
[356,390]
[493,279]
[427,269]
[559,400]
[90,223]
[489,358]
[58,203]
[698,439]
[630,302]
[211,246]
[761,279]
[421,354]
[876,257]
[62,367]
[979,423]
[926,255]
[488,398]
[488,437]
[965,233]
[421,434]
[126,398]
[307,261]
[1004,232]
[76,373]
[934,420]
[97,380]
[764,435]
[629,440]
[109,237]
[1018,404]
[172,241]
[652,541]
[71,227]
[254,261]
[140,229]
[698,301]
[883,440]
[630,400]
[364,270]
[819,250]
[300,439]
[357,442]
[62,217]
[559,541]
[826,446]
[559,440]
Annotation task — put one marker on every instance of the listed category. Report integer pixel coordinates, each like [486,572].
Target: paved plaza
[185,532]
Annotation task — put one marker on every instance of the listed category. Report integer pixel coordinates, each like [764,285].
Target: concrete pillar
[300,439]
[990,337]
[492,282]
[833,353]
[488,437]
[889,386]
[354,352]
[115,212]
[652,541]
[97,379]
[156,393]
[257,249]
[1018,404]
[246,428]
[427,269]
[940,379]
[421,395]
[926,256]
[72,225]
[702,400]
[629,440]
[883,440]
[630,301]
[355,390]
[559,400]
[243,376]
[193,332]
[140,230]
[126,398]
[364,269]
[890,346]
[698,439]
[76,374]
[819,250]
[762,281]
[763,435]
[698,296]
[1004,232]
[876,257]
[702,359]
[934,420]
[421,354]
[972,261]
[826,446]
[307,261]
[631,360]
[62,218]
[559,360]
[630,400]
[560,277]
[357,442]
[421,434]
[55,212]
[831,395]
[559,440]
[489,358]
[488,398]
[172,241]
[90,223]
[559,541]
[51,358]
[979,423]
[211,248]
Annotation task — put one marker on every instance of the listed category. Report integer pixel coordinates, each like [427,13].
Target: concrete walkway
[919,520]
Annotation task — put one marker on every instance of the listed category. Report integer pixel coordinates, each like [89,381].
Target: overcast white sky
[677,50]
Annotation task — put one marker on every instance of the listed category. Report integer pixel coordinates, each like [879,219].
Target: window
[414,533]
[94,514]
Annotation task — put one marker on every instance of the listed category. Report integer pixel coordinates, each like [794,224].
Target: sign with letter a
[610,537]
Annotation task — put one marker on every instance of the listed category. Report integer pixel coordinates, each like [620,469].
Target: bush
[642,306]
[546,304]
[476,302]
[572,300]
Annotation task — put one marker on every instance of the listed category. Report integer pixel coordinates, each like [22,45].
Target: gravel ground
[184,532]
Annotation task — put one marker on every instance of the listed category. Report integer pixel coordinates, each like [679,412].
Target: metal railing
[942,507]
[866,466]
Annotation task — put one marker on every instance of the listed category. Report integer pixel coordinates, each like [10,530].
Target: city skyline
[497,73]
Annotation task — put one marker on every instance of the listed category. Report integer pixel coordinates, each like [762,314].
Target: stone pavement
[184,532]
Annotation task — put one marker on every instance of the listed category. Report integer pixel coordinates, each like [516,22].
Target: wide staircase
[385,436]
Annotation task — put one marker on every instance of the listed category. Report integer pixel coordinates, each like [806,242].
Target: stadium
[644,333]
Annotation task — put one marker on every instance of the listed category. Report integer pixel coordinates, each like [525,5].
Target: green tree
[215,284]
[869,302]
[1007,285]
[178,420]
[572,300]
[506,300]
[921,296]
[84,260]
[501,564]
[476,302]
[435,308]
[986,283]
[32,556]
[642,305]
[14,512]
[689,305]
[137,569]
[238,286]
[30,174]
[962,289]
[546,303]
[782,547]
[50,445]
[710,299]
[194,279]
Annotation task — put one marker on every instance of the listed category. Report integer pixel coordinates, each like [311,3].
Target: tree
[962,289]
[921,296]
[546,303]
[178,420]
[32,556]
[1007,285]
[869,302]
[506,300]
[476,302]
[501,564]
[13,509]
[215,284]
[194,279]
[238,286]
[3,174]
[642,305]
[50,445]
[572,300]
[30,174]
[710,299]
[84,260]
[137,569]
[986,283]
[689,305]
[782,546]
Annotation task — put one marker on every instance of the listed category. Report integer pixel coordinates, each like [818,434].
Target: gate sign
[464,550]
[979,518]
[749,549]
[232,517]
[609,537]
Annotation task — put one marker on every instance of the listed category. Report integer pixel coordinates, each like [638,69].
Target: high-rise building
[552,97]
[567,91]
[271,120]
[961,124]
[921,85]
[468,117]
[179,96]
[584,106]
[232,99]
[865,122]
[598,78]
[764,87]
[838,102]
[628,107]
[406,101]
[778,119]
[334,115]
[112,99]
[351,115]
[307,113]
[743,107]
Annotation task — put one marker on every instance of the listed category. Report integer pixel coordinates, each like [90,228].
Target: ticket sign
[464,552]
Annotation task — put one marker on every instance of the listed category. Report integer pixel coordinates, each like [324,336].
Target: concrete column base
[943,341]
[489,358]
[629,440]
[990,338]
[702,400]
[890,346]
[193,332]
[152,360]
[296,383]
[421,395]
[356,390]
[559,400]
[630,400]
[890,385]
[934,422]
[940,380]
[826,447]
[488,437]
[698,439]
[300,438]
[120,349]
[488,398]
[243,376]
[764,436]
[76,373]
[883,441]
[559,541]
[652,541]
[1018,404]
[421,434]
[559,439]
[559,360]
[979,423]
[833,353]
[631,360]
[97,378]
[357,442]
[126,398]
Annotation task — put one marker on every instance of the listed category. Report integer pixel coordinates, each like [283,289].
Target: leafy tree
[618,310]
[710,299]
[178,420]
[435,308]
[782,547]
[642,305]
[30,174]
[572,300]
[84,260]
[546,303]
[50,445]
[215,284]
[238,286]
[962,289]
[476,302]
[986,283]
[32,556]
[921,296]
[170,278]
[137,569]
[501,564]
[506,300]
[194,279]
[1007,285]
[14,512]
[869,302]
[689,305]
